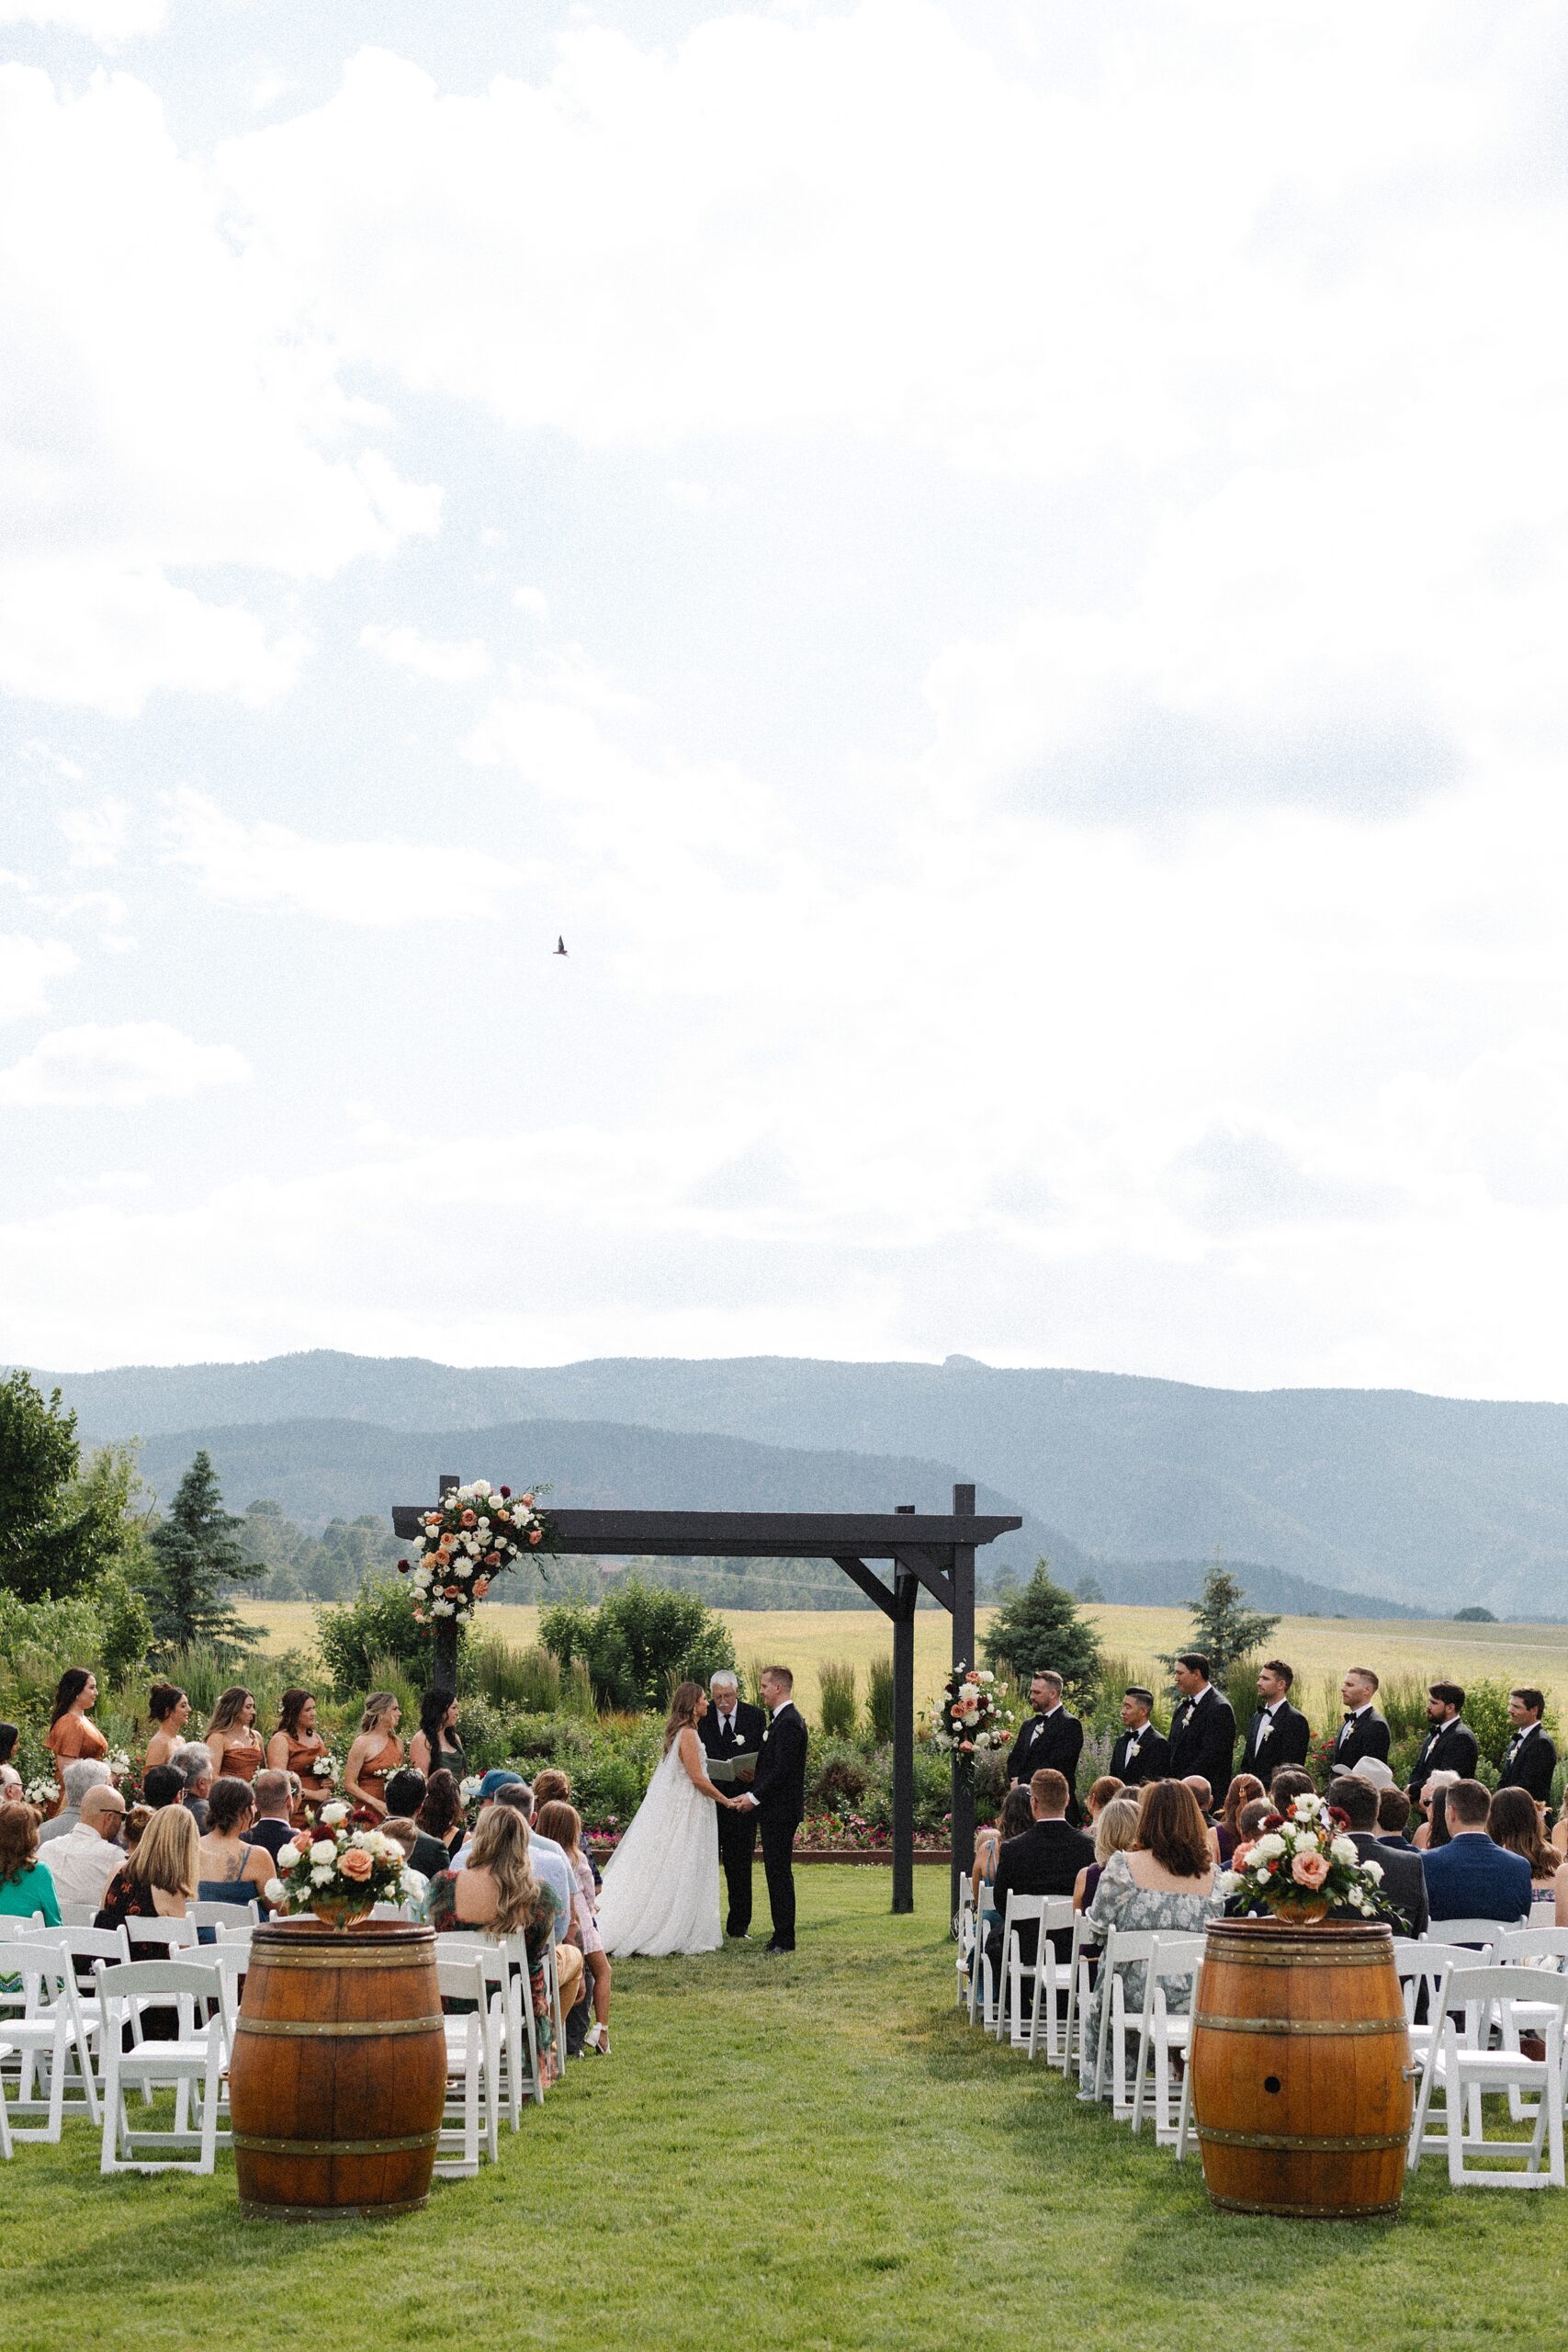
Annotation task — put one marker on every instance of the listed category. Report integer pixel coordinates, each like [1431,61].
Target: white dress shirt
[82,1864]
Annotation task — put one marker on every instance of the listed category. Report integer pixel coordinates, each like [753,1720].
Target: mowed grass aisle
[797,2152]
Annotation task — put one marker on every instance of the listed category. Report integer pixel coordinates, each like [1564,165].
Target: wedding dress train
[660,1890]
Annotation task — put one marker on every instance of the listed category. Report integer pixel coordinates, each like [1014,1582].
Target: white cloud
[94,837]
[27,968]
[449,663]
[532,601]
[375,885]
[132,1062]
[105,21]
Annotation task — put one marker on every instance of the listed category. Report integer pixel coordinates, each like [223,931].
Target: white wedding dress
[660,1890]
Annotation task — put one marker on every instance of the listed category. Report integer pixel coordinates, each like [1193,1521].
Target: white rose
[1374,1871]
[1344,1851]
[274,1892]
[1269,1844]
[332,1814]
[321,1878]
[1228,1881]
[481,1487]
[324,1851]
[441,1607]
[1304,1807]
[464,1567]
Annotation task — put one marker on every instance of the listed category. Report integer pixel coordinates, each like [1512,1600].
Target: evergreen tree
[194,1552]
[1041,1627]
[1222,1627]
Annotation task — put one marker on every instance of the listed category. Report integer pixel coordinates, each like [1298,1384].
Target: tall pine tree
[1223,1629]
[194,1552]
[1041,1627]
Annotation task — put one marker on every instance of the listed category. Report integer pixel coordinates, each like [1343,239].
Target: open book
[723,1769]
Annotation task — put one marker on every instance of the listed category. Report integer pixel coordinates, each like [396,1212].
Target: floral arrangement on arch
[476,1533]
[1304,1864]
[971,1719]
[339,1872]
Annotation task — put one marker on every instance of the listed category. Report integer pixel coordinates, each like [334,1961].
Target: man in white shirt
[82,1862]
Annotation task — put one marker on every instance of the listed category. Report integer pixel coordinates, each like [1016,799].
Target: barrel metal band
[1250,1956]
[279,1956]
[1305,2143]
[1306,2212]
[252,2209]
[336,2029]
[1325,2026]
[255,2146]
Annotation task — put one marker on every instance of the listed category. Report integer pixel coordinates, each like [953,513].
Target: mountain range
[1370,1493]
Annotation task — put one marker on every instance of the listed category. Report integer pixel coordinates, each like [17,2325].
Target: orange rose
[304,1841]
[481,1586]
[534,1535]
[470,1519]
[354,1863]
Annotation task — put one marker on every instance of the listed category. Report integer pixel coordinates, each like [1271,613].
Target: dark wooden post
[445,1672]
[963,1834]
[906,1591]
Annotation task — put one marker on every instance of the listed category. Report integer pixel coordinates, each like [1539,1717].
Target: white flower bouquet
[477,1533]
[339,1872]
[43,1790]
[971,1719]
[1303,1864]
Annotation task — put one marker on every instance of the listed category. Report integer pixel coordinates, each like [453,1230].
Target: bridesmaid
[294,1748]
[376,1755]
[435,1747]
[71,1732]
[170,1711]
[232,1740]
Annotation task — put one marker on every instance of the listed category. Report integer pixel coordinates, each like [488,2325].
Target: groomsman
[1141,1753]
[1450,1744]
[732,1727]
[1531,1759]
[1278,1733]
[1052,1740]
[1363,1732]
[1202,1729]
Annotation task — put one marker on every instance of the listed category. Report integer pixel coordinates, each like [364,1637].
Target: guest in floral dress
[1167,1879]
[496,1895]
[564,1824]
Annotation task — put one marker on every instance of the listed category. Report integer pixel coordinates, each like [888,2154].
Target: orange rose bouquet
[339,1872]
[478,1532]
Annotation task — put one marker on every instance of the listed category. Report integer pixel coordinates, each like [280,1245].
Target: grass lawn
[800,2152]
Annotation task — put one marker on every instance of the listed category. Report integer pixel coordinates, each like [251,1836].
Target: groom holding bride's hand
[778,1793]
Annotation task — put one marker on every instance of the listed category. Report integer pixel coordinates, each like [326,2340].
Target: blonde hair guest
[159,1879]
[1115,1832]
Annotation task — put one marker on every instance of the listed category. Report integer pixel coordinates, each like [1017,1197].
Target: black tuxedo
[1287,1744]
[1049,1743]
[1404,1881]
[1529,1765]
[736,1831]
[1449,1748]
[780,1792]
[1358,1737]
[1202,1740]
[1046,1860]
[1151,1761]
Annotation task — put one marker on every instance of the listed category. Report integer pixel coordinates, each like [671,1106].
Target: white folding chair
[471,2068]
[1546,1948]
[1049,1974]
[558,2015]
[1042,1912]
[6,2149]
[51,2042]
[78,1915]
[1080,1988]
[1118,2024]
[966,1941]
[1164,2033]
[192,2062]
[1424,1967]
[1467,2065]
[225,1915]
[511,2008]
[1478,1935]
[170,1936]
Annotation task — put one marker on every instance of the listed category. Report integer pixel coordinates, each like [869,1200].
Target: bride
[660,1890]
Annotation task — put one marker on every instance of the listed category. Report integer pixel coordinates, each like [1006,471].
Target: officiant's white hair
[726,1674]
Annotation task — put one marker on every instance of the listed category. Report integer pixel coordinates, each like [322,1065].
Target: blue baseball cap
[498,1780]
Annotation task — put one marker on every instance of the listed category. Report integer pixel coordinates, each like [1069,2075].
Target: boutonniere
[1265,1729]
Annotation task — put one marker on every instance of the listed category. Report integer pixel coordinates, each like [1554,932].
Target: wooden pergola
[924,1550]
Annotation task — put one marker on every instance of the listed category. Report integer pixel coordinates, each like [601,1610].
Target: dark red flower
[1273,1820]
[1340,1820]
[506,1494]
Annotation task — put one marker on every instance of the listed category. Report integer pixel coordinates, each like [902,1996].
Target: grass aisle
[800,2152]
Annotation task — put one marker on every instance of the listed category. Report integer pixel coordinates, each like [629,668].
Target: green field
[811,2152]
[1318,1647]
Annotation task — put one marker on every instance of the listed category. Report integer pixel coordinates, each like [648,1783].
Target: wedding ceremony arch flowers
[1303,1864]
[474,1534]
[338,1872]
[971,1719]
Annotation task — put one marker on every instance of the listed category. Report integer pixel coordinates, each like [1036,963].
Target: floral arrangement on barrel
[339,1872]
[476,1533]
[971,1719]
[1303,1864]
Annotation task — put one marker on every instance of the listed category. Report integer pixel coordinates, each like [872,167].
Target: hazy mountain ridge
[1440,1500]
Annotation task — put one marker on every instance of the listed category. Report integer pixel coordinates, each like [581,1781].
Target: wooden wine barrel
[339,2070]
[1299,2052]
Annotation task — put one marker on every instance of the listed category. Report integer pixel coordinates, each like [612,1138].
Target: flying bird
[559,945]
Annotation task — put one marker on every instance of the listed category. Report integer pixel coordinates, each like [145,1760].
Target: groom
[778,1793]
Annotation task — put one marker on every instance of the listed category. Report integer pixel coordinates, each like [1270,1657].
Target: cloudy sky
[998,573]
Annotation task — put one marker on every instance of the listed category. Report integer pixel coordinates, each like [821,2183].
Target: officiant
[729,1728]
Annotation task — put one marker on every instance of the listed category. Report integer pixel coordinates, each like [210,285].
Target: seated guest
[194,1765]
[1403,1880]
[136,1821]
[1169,1880]
[271,1829]
[159,1881]
[375,1756]
[1514,1823]
[11,1788]
[232,1740]
[71,1732]
[1046,1860]
[399,1827]
[498,1896]
[1114,1833]
[1202,1792]
[562,1823]
[405,1793]
[83,1863]
[27,1890]
[1393,1814]
[545,1857]
[1015,1819]
[1288,1783]
[441,1815]
[1470,1878]
[1242,1790]
[84,1773]
[1434,1821]
[163,1785]
[1100,1795]
[170,1711]
[231,1871]
[1249,1823]
[552,1786]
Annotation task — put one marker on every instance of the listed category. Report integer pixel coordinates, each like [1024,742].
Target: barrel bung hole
[1271,2083]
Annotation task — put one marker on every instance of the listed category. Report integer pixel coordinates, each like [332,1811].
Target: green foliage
[61,1526]
[1401,1703]
[377,1622]
[640,1641]
[329,1566]
[837,1776]
[107,1628]
[483,1729]
[1041,1627]
[1223,1627]
[836,1686]
[1239,1683]
[529,1680]
[1088,1588]
[879,1699]
[194,1553]
[1486,1712]
[1116,1673]
[1475,1615]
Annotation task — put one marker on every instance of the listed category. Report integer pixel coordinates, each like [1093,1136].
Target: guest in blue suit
[1471,1877]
